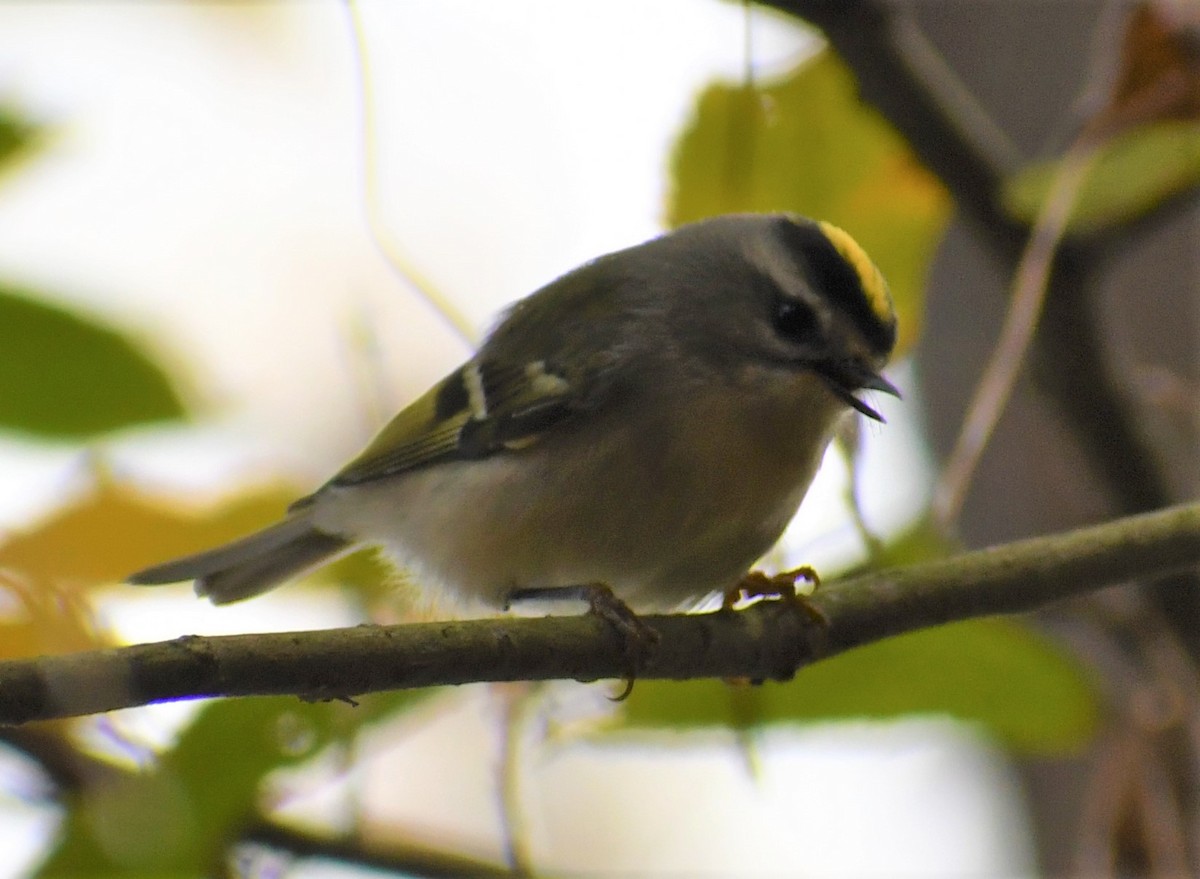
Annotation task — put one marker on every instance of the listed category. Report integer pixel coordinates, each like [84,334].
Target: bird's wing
[476,411]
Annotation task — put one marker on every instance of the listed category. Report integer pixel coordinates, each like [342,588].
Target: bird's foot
[638,639]
[756,584]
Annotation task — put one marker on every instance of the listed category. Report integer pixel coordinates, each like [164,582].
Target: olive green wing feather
[476,411]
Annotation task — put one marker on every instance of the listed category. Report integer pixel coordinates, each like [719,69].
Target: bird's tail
[252,565]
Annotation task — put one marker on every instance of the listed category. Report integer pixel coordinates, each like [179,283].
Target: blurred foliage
[179,817]
[68,376]
[40,620]
[994,672]
[114,529]
[922,542]
[18,137]
[1134,173]
[805,143]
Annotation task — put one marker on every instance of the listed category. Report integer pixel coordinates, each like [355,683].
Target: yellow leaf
[114,530]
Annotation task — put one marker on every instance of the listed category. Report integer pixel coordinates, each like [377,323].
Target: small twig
[1104,799]
[768,640]
[1161,819]
[960,106]
[426,289]
[517,705]
[1030,284]
[847,444]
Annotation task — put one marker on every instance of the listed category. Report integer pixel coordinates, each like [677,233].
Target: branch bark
[770,639]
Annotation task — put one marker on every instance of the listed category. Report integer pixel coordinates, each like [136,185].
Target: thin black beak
[879,383]
[846,378]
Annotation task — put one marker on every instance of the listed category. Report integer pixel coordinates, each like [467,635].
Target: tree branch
[767,640]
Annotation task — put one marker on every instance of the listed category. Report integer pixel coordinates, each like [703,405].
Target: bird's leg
[638,638]
[756,584]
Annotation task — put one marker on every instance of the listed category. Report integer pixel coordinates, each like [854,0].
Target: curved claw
[638,638]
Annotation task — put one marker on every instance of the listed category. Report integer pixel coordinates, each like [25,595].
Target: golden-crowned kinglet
[649,421]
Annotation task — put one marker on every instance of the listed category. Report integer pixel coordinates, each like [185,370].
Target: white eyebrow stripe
[769,258]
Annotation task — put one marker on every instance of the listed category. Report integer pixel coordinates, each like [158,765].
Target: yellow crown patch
[874,286]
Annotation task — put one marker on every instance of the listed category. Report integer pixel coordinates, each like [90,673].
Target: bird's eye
[795,320]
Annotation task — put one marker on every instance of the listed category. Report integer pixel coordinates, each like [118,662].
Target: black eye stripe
[819,261]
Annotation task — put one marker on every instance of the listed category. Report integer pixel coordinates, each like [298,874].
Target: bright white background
[203,189]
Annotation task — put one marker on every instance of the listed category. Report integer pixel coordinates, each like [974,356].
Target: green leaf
[924,541]
[1134,173]
[997,673]
[17,137]
[65,376]
[179,818]
[805,143]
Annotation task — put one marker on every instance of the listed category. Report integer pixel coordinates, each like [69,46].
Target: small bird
[650,422]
